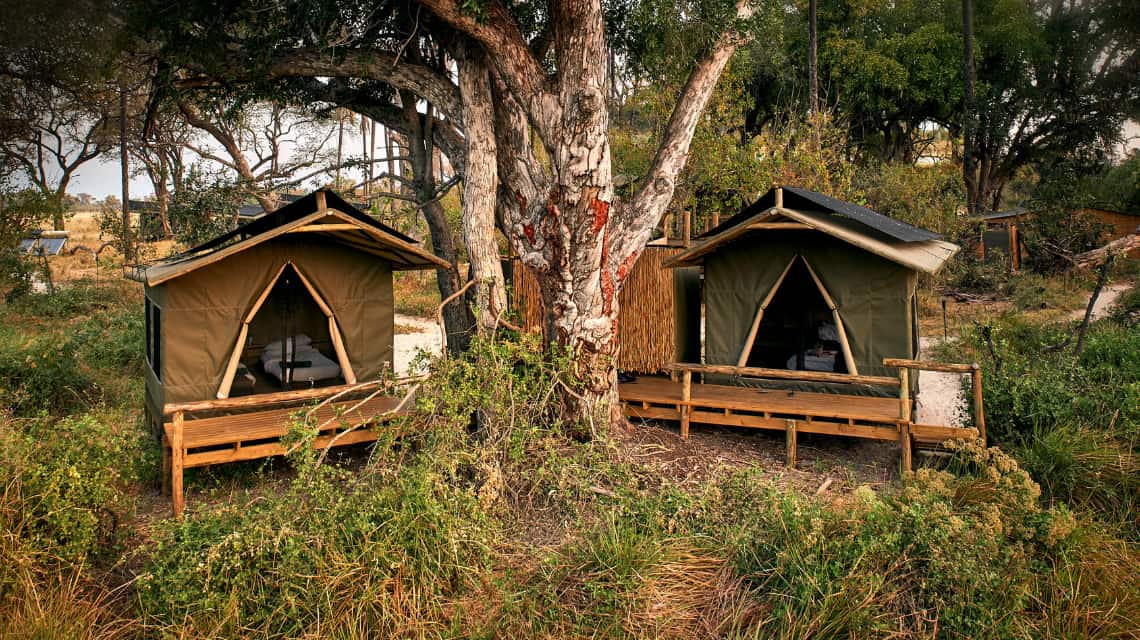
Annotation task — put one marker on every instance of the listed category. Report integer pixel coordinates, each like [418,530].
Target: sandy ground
[940,398]
[1108,297]
[412,336]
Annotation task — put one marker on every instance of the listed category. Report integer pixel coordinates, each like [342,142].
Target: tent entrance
[289,337]
[798,327]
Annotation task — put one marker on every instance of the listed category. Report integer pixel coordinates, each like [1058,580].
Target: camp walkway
[678,398]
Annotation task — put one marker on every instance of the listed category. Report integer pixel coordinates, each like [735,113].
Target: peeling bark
[480,187]
[564,220]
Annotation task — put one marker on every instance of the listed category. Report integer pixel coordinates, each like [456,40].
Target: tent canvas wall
[796,263]
[208,306]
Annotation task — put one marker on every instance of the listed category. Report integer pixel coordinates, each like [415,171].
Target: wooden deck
[794,412]
[255,431]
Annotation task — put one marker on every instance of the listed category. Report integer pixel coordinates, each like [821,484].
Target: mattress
[320,367]
[813,362]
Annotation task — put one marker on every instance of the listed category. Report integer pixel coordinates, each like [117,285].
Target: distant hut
[802,281]
[300,297]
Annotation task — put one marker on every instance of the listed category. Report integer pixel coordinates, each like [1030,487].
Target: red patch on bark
[607,279]
[626,266]
[528,229]
[601,210]
[521,202]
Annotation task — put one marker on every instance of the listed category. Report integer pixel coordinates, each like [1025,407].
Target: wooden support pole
[687,229]
[178,457]
[904,394]
[321,202]
[904,440]
[904,418]
[779,198]
[979,410]
[791,435]
[686,398]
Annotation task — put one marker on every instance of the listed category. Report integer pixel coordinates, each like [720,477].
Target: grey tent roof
[804,199]
[899,242]
[336,220]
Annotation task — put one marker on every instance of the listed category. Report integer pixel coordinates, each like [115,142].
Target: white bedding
[321,368]
[813,362]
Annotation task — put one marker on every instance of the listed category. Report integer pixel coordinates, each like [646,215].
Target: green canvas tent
[312,279]
[799,280]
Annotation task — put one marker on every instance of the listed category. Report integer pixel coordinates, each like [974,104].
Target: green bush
[338,549]
[43,375]
[70,482]
[948,556]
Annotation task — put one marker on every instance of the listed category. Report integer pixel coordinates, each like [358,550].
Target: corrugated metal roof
[804,199]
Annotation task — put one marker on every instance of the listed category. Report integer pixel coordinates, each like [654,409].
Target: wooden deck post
[686,397]
[904,418]
[178,453]
[979,412]
[791,436]
[907,463]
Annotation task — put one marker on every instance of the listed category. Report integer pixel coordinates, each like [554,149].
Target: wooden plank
[207,432]
[652,413]
[256,452]
[178,453]
[926,365]
[774,226]
[314,228]
[783,374]
[932,433]
[979,410]
[817,427]
[904,394]
[267,399]
[798,403]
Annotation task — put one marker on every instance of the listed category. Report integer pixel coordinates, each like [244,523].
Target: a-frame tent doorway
[289,337]
[797,326]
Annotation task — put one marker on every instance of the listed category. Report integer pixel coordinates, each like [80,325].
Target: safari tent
[299,298]
[802,281]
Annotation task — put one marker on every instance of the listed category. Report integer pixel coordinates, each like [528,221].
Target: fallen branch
[439,313]
[1112,249]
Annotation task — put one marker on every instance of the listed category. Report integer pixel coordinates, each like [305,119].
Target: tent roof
[912,247]
[803,199]
[336,220]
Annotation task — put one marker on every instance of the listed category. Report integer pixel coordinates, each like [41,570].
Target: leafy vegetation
[480,517]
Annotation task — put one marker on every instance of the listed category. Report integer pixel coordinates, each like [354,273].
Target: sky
[101,178]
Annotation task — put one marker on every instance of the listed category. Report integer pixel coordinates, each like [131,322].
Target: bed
[309,365]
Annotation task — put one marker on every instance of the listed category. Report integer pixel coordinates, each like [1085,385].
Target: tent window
[154,338]
[797,330]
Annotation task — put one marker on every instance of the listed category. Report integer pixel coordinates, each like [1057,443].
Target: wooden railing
[906,422]
[268,399]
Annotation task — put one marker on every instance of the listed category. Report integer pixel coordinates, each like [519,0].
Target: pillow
[273,349]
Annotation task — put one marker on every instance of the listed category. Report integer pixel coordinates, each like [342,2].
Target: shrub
[68,483]
[948,556]
[43,375]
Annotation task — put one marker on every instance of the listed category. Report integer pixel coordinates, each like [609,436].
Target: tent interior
[797,329]
[288,345]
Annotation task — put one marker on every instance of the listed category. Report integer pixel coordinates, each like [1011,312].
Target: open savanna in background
[571,319]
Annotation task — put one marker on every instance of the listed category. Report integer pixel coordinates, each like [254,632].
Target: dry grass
[53,606]
[416,293]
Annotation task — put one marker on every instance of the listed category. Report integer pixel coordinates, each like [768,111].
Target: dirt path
[412,335]
[940,398]
[1108,297]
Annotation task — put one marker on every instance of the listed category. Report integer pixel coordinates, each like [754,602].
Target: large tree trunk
[457,319]
[480,190]
[565,222]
